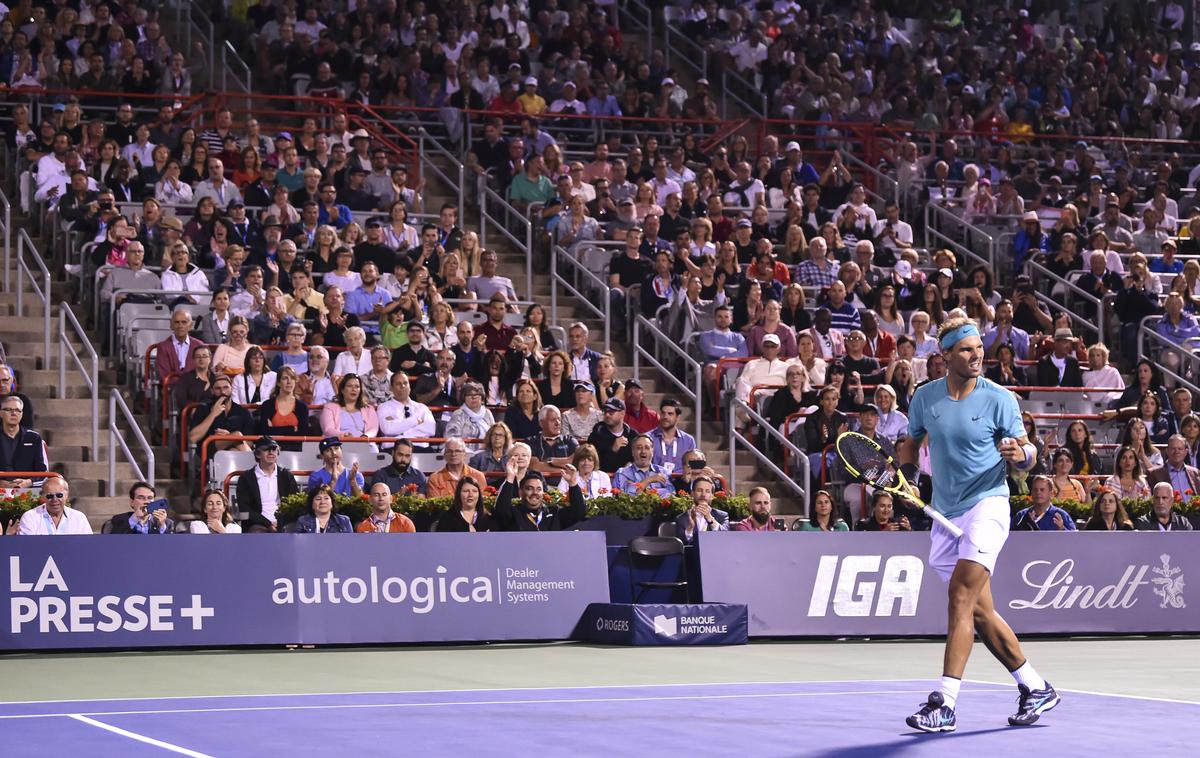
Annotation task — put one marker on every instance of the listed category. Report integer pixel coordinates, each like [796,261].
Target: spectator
[1060,368]
[349,415]
[613,438]
[444,482]
[466,512]
[321,518]
[701,516]
[283,412]
[551,449]
[769,369]
[175,354]
[256,382]
[54,515]
[1108,514]
[883,516]
[584,360]
[531,512]
[222,191]
[498,333]
[522,414]
[582,417]
[216,516]
[592,481]
[316,386]
[1175,471]
[641,472]
[401,473]
[261,489]
[439,387]
[1042,515]
[221,416]
[332,474]
[183,276]
[382,519]
[760,513]
[493,453]
[333,322]
[823,515]
[132,276]
[414,358]
[195,386]
[472,419]
[670,443]
[1162,517]
[1128,479]
[230,358]
[830,342]
[147,516]
[721,342]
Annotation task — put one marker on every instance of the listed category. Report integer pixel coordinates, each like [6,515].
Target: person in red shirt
[638,415]
[880,345]
[498,333]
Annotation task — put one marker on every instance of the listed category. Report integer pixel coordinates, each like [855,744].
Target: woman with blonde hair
[702,244]
[471,252]
[493,454]
[451,281]
[442,333]
[645,202]
[607,384]
[592,480]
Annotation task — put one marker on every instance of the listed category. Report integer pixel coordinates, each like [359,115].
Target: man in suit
[1163,517]
[175,352]
[21,449]
[261,489]
[1175,471]
[701,517]
[1060,368]
[530,513]
[142,519]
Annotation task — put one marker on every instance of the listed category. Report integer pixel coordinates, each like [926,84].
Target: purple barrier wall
[130,591]
[798,584]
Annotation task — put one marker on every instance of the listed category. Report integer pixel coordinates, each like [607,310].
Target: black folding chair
[656,549]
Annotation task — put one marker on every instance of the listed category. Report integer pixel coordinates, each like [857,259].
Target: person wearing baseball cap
[580,419]
[612,437]
[262,488]
[1060,368]
[343,481]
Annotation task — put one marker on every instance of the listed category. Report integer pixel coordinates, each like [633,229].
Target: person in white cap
[531,102]
[568,103]
[768,369]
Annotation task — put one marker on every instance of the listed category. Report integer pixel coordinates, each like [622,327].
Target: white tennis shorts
[985,529]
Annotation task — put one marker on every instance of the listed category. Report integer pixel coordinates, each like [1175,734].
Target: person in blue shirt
[670,442]
[329,210]
[642,471]
[974,430]
[1167,263]
[1029,241]
[343,481]
[1042,515]
[321,518]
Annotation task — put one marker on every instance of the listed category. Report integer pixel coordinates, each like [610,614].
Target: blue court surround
[847,718]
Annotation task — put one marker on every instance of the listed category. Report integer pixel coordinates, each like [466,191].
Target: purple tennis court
[845,718]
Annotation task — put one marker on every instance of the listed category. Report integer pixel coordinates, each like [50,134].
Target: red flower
[681,492]
[602,491]
[410,487]
[665,502]
[489,490]
[719,493]
[1188,492]
[640,486]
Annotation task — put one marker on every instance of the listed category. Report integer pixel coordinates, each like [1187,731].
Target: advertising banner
[130,591]
[664,624]
[862,584]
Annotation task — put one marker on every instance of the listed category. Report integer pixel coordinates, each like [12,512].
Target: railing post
[62,352]
[20,279]
[112,444]
[637,349]
[731,420]
[553,285]
[529,255]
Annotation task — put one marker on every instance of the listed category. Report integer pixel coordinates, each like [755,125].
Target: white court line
[469,689]
[135,736]
[460,703]
[1106,694]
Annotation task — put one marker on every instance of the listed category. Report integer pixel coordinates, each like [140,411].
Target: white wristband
[1030,457]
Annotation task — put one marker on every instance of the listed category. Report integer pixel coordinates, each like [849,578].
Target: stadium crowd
[344,308]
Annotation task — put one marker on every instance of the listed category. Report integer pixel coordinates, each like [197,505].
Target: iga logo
[901,581]
[1168,586]
[667,626]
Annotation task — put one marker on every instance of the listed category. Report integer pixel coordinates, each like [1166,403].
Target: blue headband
[950,339]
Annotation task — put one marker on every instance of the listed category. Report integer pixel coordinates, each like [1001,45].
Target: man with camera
[147,515]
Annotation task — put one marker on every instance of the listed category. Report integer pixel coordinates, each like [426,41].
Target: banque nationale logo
[1055,587]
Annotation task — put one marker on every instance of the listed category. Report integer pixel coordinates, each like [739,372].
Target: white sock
[1027,676]
[949,687]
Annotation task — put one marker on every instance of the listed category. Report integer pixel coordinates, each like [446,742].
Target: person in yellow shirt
[531,102]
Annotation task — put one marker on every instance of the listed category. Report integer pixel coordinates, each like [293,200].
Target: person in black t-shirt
[372,248]
[627,268]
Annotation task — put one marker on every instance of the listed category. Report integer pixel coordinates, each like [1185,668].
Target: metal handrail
[91,378]
[1045,274]
[557,279]
[637,16]
[933,209]
[694,392]
[759,111]
[689,54]
[6,238]
[487,194]
[736,437]
[117,440]
[227,72]
[1161,343]
[43,292]
[456,164]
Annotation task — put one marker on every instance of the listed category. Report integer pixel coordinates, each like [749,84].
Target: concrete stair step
[98,470]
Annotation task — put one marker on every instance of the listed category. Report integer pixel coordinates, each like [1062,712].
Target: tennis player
[973,426]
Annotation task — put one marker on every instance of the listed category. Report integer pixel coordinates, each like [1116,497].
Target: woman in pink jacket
[348,414]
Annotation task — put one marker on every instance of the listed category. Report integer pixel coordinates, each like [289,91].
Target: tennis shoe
[1031,704]
[934,716]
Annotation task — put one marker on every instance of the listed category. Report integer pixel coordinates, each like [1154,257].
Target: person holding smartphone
[147,515]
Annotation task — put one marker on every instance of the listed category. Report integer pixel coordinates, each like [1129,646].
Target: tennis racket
[866,461]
